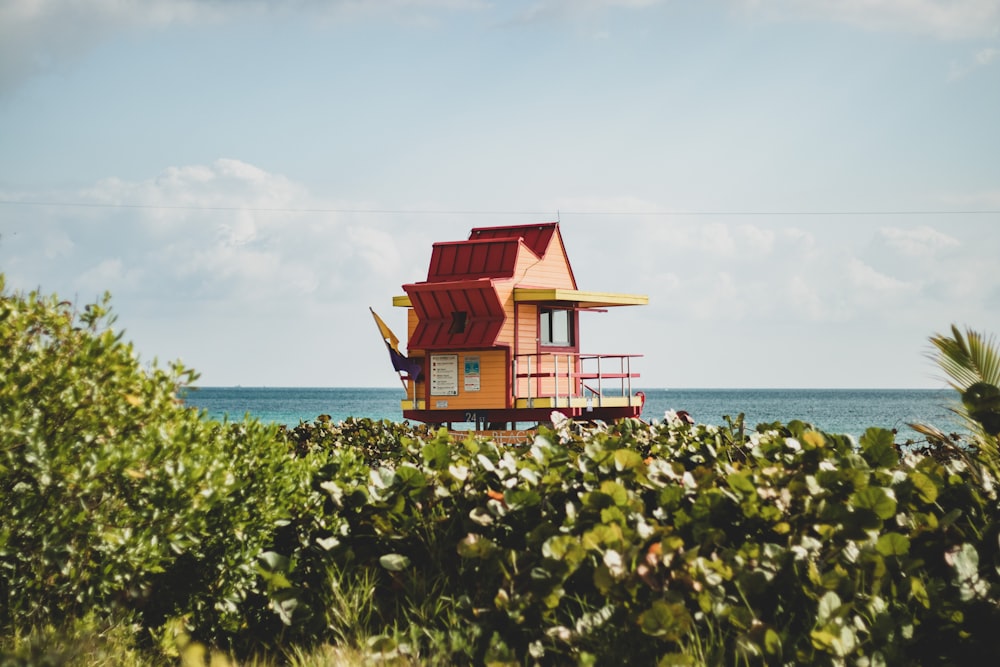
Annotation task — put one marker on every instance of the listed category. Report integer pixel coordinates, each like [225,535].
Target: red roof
[536,236]
[438,304]
[485,258]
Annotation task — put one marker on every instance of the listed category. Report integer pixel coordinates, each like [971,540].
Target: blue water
[848,411]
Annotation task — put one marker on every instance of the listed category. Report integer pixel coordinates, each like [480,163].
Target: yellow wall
[411,326]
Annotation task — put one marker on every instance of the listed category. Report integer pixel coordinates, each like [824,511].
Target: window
[556,327]
[458,322]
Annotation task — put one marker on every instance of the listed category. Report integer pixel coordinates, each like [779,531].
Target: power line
[390,211]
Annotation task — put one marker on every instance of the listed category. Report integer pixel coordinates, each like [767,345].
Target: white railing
[568,375]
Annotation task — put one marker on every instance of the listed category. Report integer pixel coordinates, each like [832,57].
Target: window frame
[546,320]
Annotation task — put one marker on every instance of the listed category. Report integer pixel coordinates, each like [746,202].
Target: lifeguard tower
[493,336]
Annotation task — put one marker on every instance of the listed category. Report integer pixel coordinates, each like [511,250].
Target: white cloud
[225,232]
[918,242]
[717,239]
[799,240]
[806,299]
[109,275]
[242,261]
[755,240]
[872,283]
[945,19]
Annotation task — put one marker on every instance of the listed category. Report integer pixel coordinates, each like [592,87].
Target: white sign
[444,375]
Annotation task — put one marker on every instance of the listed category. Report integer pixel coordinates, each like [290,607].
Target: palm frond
[967,359]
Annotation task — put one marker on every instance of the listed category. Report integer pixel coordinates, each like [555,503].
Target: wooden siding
[552,270]
[411,326]
[527,337]
[492,384]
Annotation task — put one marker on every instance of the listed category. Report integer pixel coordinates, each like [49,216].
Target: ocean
[848,411]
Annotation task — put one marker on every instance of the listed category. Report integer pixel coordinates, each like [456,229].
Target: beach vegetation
[134,531]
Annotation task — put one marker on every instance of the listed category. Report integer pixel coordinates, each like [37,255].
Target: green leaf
[521,498]
[878,448]
[918,592]
[876,436]
[437,454]
[893,544]
[877,500]
[271,561]
[925,487]
[669,621]
[741,483]
[772,642]
[602,536]
[476,546]
[618,493]
[414,480]
[881,456]
[627,459]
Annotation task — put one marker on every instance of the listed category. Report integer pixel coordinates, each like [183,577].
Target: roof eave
[578,298]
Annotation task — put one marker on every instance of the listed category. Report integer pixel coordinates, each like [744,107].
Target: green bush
[114,497]
[672,542]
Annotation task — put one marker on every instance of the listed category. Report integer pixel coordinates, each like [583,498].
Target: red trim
[540,415]
[537,237]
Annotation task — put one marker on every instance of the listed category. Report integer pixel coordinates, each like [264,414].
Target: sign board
[471,374]
[444,375]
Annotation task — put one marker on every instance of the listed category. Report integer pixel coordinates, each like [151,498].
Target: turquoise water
[848,411]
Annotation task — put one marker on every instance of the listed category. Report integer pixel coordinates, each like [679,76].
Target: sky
[806,190]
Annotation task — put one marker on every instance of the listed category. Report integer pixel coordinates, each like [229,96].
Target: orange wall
[492,382]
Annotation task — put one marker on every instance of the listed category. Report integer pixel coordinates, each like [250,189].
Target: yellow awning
[578,297]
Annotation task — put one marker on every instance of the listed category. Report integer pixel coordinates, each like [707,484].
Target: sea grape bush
[789,546]
[634,543]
